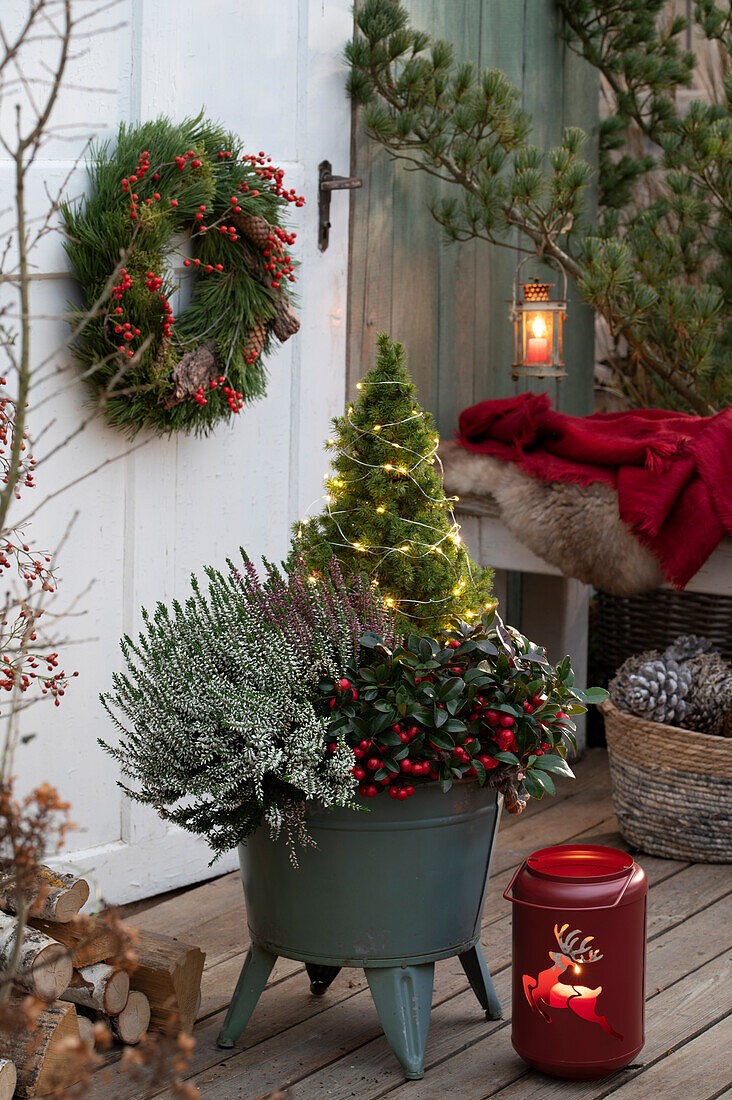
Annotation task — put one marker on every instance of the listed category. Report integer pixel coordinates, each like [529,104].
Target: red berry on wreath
[402,794]
[506,721]
[492,717]
[373,763]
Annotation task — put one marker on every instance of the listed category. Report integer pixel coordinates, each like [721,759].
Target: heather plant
[221,720]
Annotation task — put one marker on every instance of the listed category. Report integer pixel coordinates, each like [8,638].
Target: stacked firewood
[73,965]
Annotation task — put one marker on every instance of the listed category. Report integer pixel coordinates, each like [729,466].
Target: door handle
[327,182]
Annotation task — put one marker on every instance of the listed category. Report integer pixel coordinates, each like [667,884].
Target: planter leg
[320,977]
[403,999]
[252,980]
[476,971]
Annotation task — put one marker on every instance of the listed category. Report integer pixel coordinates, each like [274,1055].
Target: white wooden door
[273,72]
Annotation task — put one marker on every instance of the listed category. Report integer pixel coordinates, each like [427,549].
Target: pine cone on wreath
[254,343]
[709,698]
[254,228]
[652,686]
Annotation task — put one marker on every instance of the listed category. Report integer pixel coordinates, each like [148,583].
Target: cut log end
[52,971]
[102,987]
[41,1055]
[67,904]
[134,1019]
[8,1079]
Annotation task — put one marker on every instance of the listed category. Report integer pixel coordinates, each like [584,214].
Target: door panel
[177,504]
[448,303]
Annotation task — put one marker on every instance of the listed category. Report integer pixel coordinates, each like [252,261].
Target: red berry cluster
[189,156]
[233,399]
[125,284]
[20,659]
[27,462]
[208,268]
[143,167]
[398,784]
[127,332]
[30,568]
[153,283]
[274,176]
[13,674]
[117,293]
[277,261]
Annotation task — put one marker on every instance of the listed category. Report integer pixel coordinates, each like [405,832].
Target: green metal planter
[390,890]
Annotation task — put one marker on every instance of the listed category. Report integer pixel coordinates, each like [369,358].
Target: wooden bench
[553,609]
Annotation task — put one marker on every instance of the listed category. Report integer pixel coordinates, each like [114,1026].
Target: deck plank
[333,1046]
[284,1008]
[681,1010]
[703,1063]
[316,1045]
[492,1068]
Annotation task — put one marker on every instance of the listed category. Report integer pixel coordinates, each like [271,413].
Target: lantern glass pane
[538,337]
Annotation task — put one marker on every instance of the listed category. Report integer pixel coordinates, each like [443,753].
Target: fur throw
[573,527]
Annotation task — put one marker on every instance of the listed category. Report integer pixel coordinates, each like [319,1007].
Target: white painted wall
[272,72]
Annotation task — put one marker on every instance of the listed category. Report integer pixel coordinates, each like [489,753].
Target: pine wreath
[161,185]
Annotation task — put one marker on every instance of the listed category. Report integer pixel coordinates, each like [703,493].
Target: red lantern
[579,955]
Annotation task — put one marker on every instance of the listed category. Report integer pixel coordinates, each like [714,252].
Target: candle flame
[537,326]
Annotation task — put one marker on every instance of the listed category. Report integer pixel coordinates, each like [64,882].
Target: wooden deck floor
[333,1047]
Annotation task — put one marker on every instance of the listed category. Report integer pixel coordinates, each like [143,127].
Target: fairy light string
[407,462]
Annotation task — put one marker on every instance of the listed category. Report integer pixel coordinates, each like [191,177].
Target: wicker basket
[672,788]
[626,625]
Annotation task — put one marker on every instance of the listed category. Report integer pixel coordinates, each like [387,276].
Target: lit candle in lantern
[537,350]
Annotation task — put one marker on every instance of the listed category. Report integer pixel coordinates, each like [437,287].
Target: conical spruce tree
[386,512]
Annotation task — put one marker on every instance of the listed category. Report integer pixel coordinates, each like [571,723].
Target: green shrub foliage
[485,704]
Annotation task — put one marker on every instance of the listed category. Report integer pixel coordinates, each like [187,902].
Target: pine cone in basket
[710,695]
[651,685]
[687,646]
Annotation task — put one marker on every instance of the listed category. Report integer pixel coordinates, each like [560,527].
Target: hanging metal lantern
[537,321]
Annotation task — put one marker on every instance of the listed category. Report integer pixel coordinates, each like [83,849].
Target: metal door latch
[327,182]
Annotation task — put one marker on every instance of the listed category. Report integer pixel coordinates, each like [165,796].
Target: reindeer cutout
[546,992]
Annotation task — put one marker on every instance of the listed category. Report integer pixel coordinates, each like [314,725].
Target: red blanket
[671,470]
